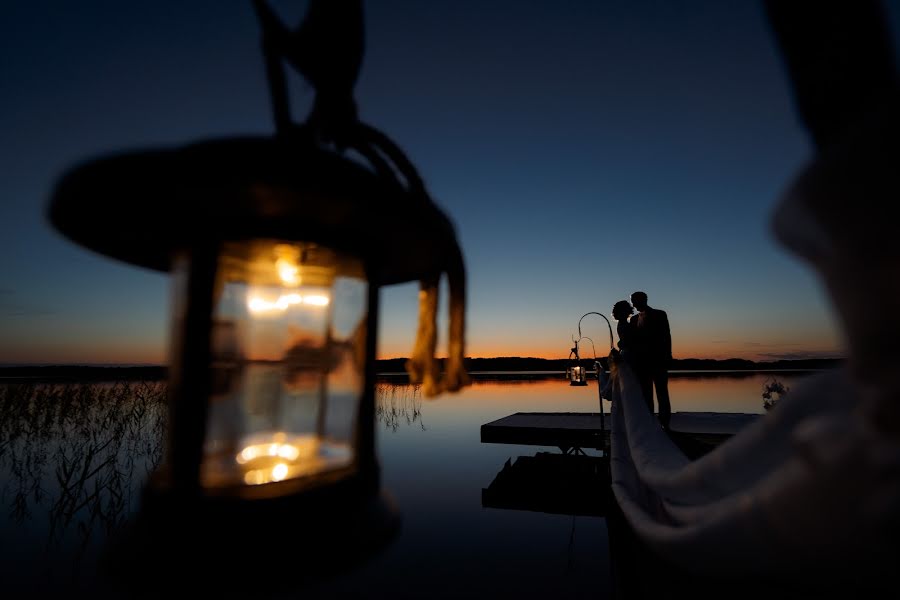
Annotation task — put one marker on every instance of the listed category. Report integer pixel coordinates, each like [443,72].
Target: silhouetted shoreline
[488,366]
[512,364]
[82,373]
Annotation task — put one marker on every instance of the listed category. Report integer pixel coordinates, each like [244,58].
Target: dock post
[599,368]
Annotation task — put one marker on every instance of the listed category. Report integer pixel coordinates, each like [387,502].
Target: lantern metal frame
[575,372]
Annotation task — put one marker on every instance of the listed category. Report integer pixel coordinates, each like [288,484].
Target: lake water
[59,507]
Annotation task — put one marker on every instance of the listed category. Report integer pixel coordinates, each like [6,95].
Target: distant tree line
[83,374]
[77,373]
[515,363]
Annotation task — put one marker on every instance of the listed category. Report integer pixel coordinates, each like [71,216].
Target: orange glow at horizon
[133,352]
[697,351]
[107,347]
[79,354]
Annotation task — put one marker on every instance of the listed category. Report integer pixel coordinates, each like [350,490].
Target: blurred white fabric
[811,489]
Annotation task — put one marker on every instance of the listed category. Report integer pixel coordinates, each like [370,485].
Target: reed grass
[74,457]
[397,404]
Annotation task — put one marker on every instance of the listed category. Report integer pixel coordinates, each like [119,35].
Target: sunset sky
[584,150]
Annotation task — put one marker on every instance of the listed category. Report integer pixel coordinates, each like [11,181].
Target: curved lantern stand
[602,378]
[601,373]
[608,324]
[203,211]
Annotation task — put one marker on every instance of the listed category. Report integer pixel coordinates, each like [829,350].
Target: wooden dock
[572,482]
[568,431]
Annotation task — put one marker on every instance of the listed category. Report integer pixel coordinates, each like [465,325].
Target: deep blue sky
[583,149]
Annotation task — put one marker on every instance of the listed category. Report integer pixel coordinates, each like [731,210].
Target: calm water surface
[69,479]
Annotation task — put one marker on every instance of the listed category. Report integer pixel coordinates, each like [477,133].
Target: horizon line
[163,365]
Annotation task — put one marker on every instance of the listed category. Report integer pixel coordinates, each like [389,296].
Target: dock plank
[583,430]
[564,430]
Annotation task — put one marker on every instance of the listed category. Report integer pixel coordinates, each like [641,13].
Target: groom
[653,354]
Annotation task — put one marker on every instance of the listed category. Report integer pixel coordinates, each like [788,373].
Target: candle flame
[279,472]
[260,305]
[282,450]
[277,456]
[286,264]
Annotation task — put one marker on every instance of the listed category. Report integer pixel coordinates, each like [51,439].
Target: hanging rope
[327,49]
[421,366]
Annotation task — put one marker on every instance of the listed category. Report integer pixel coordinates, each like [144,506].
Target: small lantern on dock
[277,246]
[575,372]
[577,375]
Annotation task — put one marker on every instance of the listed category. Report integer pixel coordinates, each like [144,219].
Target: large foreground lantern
[277,246]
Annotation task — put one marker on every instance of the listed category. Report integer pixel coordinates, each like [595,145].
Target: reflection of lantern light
[278,247]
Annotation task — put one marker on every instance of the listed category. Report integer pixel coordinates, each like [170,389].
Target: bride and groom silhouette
[645,344]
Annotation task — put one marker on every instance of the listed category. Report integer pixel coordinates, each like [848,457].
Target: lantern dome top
[143,207]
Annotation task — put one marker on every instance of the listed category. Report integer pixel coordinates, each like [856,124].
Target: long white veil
[813,487]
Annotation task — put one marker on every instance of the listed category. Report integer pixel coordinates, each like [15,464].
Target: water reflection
[396,404]
[556,483]
[73,459]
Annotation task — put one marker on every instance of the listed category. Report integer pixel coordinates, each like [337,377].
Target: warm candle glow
[279,472]
[286,264]
[289,452]
[289,273]
[248,454]
[316,300]
[282,450]
[277,456]
[288,327]
[259,305]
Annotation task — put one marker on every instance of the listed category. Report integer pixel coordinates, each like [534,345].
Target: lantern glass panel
[287,363]
[577,375]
